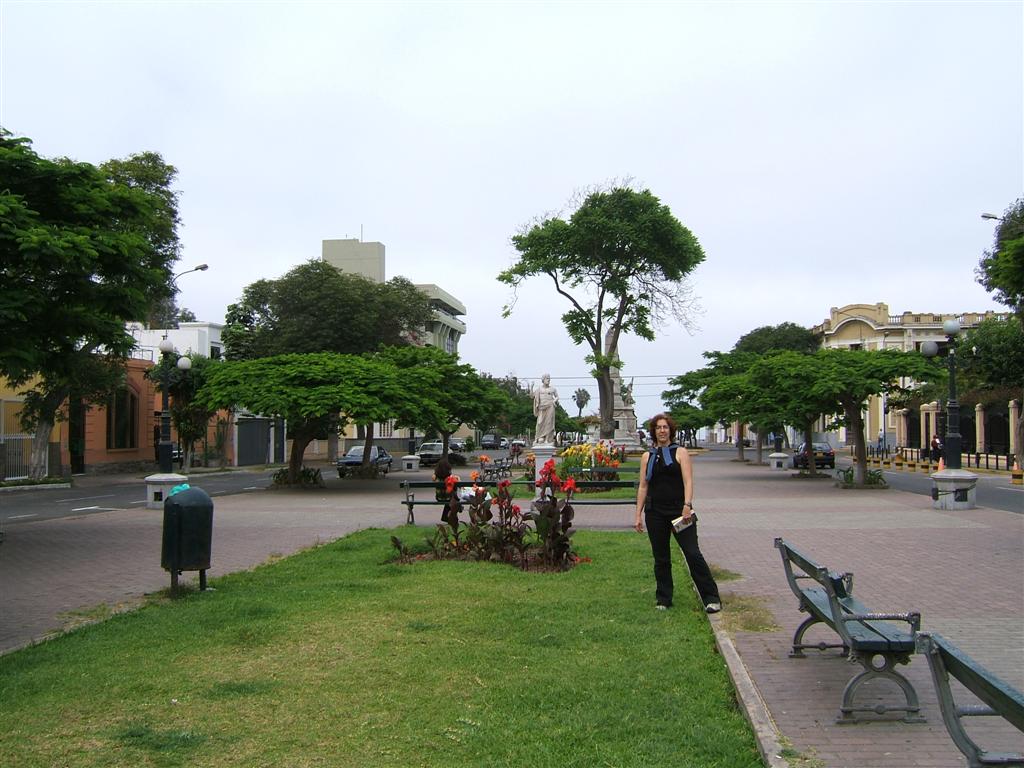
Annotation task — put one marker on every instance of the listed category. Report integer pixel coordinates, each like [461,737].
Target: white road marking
[19,517]
[83,509]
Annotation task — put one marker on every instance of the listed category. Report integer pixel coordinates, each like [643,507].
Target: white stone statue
[545,397]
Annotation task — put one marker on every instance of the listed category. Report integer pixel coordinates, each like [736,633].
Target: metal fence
[15,456]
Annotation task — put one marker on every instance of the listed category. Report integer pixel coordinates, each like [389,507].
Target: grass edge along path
[335,656]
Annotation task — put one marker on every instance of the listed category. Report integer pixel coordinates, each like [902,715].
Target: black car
[354,458]
[490,442]
[824,456]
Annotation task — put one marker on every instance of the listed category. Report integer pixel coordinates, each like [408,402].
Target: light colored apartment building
[444,331]
[873,326]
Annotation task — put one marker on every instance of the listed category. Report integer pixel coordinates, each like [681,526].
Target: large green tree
[457,394]
[314,307]
[1001,270]
[620,261]
[992,356]
[82,252]
[309,389]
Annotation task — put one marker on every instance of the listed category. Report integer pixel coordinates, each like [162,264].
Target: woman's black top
[665,490]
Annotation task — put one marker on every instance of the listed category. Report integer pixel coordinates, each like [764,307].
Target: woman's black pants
[659,530]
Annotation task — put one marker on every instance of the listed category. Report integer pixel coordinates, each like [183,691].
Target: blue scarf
[667,457]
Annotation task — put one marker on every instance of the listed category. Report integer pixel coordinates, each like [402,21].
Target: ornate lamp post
[165,452]
[952,481]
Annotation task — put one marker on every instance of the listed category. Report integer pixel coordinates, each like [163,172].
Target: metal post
[164,449]
[952,412]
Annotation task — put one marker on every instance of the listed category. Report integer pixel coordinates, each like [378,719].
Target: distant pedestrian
[936,448]
[881,439]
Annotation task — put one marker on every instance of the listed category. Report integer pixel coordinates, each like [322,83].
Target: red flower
[450,482]
[569,485]
[504,483]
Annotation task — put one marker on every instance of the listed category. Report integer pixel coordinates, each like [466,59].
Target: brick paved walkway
[963,571]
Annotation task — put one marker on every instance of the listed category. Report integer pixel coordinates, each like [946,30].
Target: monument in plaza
[545,400]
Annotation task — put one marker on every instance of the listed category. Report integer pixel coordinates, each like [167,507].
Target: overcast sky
[822,153]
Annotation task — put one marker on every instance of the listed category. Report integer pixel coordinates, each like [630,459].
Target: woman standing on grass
[664,494]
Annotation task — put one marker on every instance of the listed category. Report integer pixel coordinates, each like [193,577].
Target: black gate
[914,428]
[967,432]
[253,441]
[997,430]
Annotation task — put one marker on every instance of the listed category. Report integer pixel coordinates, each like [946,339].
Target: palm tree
[581,397]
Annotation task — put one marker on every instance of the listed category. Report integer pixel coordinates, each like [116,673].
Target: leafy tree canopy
[457,393]
[307,389]
[778,337]
[316,308]
[1001,270]
[620,261]
[83,250]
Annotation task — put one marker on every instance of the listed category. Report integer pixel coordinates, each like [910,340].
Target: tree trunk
[332,438]
[40,447]
[760,452]
[855,422]
[367,444]
[41,438]
[812,466]
[740,430]
[606,398]
[299,443]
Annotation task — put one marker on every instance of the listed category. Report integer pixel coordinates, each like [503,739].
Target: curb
[753,706]
[36,487]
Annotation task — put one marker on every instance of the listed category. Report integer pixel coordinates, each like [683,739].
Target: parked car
[490,442]
[354,458]
[456,444]
[503,443]
[520,444]
[431,453]
[824,456]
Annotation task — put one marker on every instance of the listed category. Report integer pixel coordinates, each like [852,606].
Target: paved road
[994,490]
[106,493]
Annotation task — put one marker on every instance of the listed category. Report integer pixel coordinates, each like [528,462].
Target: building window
[215,353]
[122,420]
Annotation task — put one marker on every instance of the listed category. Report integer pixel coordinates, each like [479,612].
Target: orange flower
[474,475]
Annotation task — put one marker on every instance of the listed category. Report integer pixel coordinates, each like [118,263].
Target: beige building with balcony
[872,326]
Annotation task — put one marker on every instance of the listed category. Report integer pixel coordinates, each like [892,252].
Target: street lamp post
[953,487]
[165,448]
[951,328]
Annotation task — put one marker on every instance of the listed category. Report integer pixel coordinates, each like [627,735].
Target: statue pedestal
[541,454]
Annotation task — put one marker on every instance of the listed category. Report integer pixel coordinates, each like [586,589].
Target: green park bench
[411,486]
[865,636]
[998,698]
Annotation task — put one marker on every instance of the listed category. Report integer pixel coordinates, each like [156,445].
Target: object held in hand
[681,523]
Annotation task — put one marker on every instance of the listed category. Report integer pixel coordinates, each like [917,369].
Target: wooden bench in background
[865,636]
[999,698]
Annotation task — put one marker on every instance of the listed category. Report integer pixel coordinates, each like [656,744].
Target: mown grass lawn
[337,657]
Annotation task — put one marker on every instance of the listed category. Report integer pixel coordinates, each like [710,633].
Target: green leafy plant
[553,518]
[308,478]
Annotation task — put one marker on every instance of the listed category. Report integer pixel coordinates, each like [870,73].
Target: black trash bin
[187,535]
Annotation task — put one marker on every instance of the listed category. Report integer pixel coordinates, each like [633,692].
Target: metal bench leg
[410,502]
[888,671]
[799,644]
